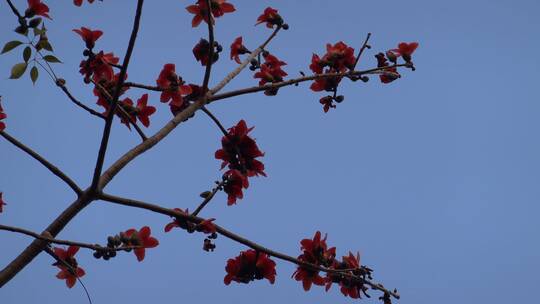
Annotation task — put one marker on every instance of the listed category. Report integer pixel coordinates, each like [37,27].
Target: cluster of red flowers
[349,285]
[239,152]
[404,50]
[142,111]
[69,269]
[270,72]
[141,238]
[316,252]
[2,116]
[36,7]
[2,203]
[237,49]
[271,17]
[200,10]
[173,86]
[248,266]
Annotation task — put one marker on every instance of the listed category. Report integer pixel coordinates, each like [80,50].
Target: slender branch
[48,239]
[14,9]
[108,124]
[54,170]
[143,86]
[364,46]
[63,87]
[215,120]
[208,198]
[231,235]
[208,69]
[299,80]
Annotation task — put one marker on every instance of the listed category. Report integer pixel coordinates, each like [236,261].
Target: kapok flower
[178,222]
[237,49]
[99,66]
[89,37]
[239,151]
[128,115]
[36,7]
[271,17]
[144,111]
[69,269]
[350,286]
[2,203]
[315,251]
[2,116]
[389,74]
[109,86]
[206,226]
[339,57]
[79,2]
[235,181]
[200,10]
[248,266]
[172,85]
[405,50]
[271,72]
[141,238]
[327,102]
[201,51]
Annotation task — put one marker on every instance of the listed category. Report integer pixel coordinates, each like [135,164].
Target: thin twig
[108,123]
[364,46]
[208,198]
[215,120]
[208,69]
[231,235]
[63,87]
[48,239]
[54,170]
[143,86]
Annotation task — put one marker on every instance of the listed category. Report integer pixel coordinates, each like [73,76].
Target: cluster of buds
[201,51]
[120,240]
[205,226]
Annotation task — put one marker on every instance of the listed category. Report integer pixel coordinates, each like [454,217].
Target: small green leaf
[51,58]
[34,74]
[10,46]
[46,45]
[38,31]
[18,70]
[27,53]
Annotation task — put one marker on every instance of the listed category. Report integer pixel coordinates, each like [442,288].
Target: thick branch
[54,170]
[239,239]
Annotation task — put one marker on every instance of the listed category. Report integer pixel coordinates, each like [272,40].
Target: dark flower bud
[285,26]
[219,48]
[112,253]
[97,254]
[34,22]
[339,98]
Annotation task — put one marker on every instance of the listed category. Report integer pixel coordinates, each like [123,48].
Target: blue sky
[433,178]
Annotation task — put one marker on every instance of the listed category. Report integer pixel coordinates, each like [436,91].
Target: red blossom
[109,86]
[89,37]
[141,238]
[200,10]
[201,51]
[172,85]
[271,17]
[98,66]
[237,49]
[339,57]
[235,181]
[69,269]
[327,102]
[405,50]
[206,226]
[129,116]
[178,222]
[350,286]
[248,266]
[36,7]
[239,151]
[271,72]
[315,251]
[144,111]
[328,84]
[2,116]
[316,65]
[79,2]
[2,203]
[389,74]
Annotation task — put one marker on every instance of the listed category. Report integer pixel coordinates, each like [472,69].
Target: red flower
[99,66]
[315,251]
[200,10]
[248,266]
[405,50]
[36,7]
[328,84]
[388,75]
[172,85]
[109,86]
[239,151]
[271,72]
[237,49]
[205,226]
[79,2]
[128,115]
[327,103]
[339,57]
[89,37]
[271,17]
[2,203]
[178,222]
[352,285]
[316,65]
[73,271]
[201,51]
[141,238]
[2,116]
[144,111]
[235,181]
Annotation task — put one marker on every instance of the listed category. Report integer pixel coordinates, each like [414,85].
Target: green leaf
[18,70]
[10,46]
[27,53]
[38,32]
[46,45]
[34,74]
[51,58]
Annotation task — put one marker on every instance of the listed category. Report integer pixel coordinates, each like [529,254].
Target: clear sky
[433,178]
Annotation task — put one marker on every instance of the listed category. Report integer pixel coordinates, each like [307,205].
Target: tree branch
[54,170]
[208,69]
[63,87]
[231,235]
[117,90]
[208,198]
